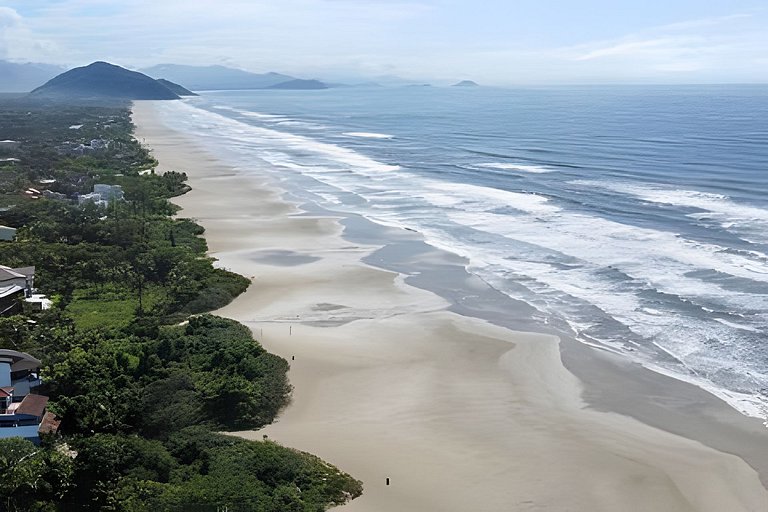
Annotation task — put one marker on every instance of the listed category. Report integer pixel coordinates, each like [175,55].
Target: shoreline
[461,414]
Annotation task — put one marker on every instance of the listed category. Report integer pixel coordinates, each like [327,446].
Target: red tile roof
[50,424]
[6,391]
[34,405]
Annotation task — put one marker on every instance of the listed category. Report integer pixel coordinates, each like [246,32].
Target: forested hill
[104,80]
[176,88]
[139,376]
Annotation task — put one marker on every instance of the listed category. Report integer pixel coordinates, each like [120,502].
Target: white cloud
[650,47]
[8,17]
[18,42]
[726,47]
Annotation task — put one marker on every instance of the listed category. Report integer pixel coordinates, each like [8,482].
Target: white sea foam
[301,124]
[535,169]
[259,115]
[737,325]
[251,136]
[369,135]
[718,208]
[567,260]
[467,197]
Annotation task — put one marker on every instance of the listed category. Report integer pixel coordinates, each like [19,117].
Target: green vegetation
[104,80]
[141,387]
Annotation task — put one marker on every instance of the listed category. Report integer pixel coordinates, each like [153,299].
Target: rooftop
[50,424]
[20,360]
[5,291]
[34,405]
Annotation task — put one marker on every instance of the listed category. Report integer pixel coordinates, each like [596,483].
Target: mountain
[205,78]
[466,83]
[181,91]
[25,77]
[298,84]
[102,80]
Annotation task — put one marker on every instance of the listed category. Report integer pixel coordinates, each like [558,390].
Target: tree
[31,476]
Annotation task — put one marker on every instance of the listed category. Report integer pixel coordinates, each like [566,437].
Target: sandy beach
[459,414]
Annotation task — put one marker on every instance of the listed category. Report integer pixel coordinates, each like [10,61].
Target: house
[99,144]
[109,192]
[22,276]
[22,412]
[11,298]
[102,195]
[76,149]
[16,284]
[91,198]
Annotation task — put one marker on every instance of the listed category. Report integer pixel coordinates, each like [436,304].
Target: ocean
[634,219]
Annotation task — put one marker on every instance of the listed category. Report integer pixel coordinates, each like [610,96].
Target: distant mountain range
[202,78]
[101,80]
[466,83]
[25,77]
[299,84]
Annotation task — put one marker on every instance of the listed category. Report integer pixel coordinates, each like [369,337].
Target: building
[16,285]
[99,144]
[11,298]
[102,195]
[22,412]
[23,277]
[109,192]
[91,198]
[77,149]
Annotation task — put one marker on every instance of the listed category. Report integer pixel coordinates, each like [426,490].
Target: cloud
[9,20]
[8,17]
[716,46]
[18,42]
[648,47]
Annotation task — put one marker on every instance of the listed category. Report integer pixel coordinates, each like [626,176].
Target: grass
[109,307]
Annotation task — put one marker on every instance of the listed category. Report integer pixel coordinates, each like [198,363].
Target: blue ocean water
[635,218]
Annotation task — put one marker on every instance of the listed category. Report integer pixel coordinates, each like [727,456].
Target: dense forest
[141,378]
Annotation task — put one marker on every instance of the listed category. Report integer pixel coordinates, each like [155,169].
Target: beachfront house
[22,411]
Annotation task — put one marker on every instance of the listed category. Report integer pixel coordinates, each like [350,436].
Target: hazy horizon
[596,42]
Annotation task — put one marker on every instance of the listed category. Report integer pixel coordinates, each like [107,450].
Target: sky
[500,42]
